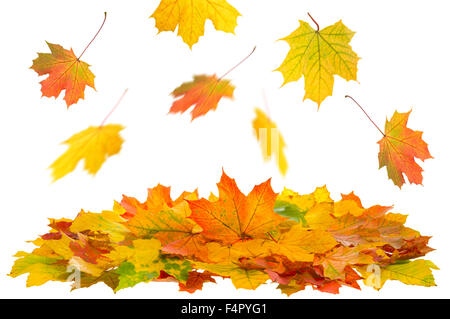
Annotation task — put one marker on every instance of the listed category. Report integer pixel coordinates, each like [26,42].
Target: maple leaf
[300,244]
[195,281]
[241,277]
[318,55]
[41,268]
[204,93]
[374,226]
[416,272]
[295,206]
[349,204]
[335,261]
[234,216]
[65,72]
[109,222]
[416,247]
[398,148]
[271,140]
[254,248]
[289,289]
[167,221]
[190,17]
[93,144]
[90,249]
[143,262]
[129,277]
[109,278]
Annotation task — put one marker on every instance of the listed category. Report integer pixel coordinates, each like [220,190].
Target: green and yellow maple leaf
[318,55]
[416,272]
[240,277]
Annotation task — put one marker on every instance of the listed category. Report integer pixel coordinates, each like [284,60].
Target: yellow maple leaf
[229,253]
[87,267]
[349,204]
[61,246]
[322,195]
[41,268]
[303,202]
[144,254]
[300,244]
[416,272]
[306,202]
[93,144]
[190,17]
[318,55]
[320,216]
[271,141]
[109,222]
[240,277]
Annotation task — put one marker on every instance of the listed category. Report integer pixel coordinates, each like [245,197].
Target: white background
[404,49]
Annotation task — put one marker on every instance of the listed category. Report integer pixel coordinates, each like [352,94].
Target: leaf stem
[103,23]
[348,96]
[317,25]
[234,67]
[114,108]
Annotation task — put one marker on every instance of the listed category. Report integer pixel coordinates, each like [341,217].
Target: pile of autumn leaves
[290,239]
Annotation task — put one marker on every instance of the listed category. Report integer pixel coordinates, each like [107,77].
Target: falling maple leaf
[398,148]
[271,140]
[93,144]
[190,241]
[318,55]
[190,17]
[66,72]
[204,93]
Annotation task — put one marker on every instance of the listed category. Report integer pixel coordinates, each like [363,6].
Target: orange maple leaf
[65,72]
[195,281]
[398,148]
[204,92]
[234,216]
